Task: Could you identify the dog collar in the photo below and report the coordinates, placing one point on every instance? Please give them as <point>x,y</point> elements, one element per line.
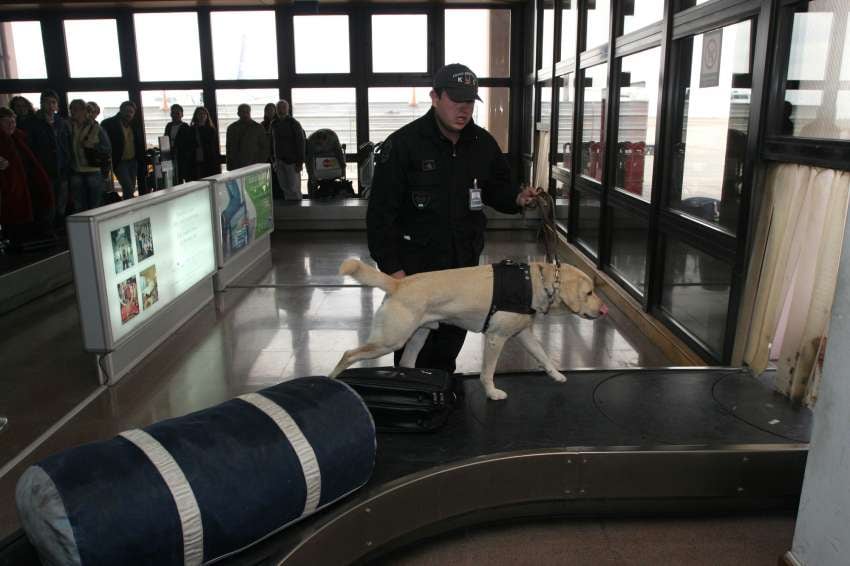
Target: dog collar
<point>550,294</point>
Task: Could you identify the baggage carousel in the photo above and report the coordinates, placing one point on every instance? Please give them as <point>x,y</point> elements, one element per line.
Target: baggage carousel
<point>606,442</point>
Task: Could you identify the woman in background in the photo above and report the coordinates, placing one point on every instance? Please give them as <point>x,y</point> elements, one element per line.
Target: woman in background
<point>269,116</point>
<point>198,146</point>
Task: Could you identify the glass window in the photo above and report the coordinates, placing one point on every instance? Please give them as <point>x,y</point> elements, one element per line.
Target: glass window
<point>493,112</point>
<point>390,108</point>
<point>332,108</point>
<point>481,40</point>
<point>168,47</point>
<point>562,202</point>
<point>589,213</point>
<point>569,27</point>
<point>708,156</point>
<point>108,100</point>
<point>400,43</point>
<point>637,14</point>
<point>695,292</point>
<point>333,57</point>
<point>548,36</point>
<point>244,45</point>
<point>33,97</point>
<point>156,110</point>
<point>92,48</point>
<point>636,122</point>
<point>546,105</point>
<point>228,101</point>
<point>598,15</point>
<point>566,104</point>
<point>22,53</point>
<point>691,3</point>
<point>817,95</point>
<point>628,246</point>
<point>592,157</point>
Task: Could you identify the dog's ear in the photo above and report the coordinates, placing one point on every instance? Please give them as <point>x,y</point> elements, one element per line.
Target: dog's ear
<point>571,287</point>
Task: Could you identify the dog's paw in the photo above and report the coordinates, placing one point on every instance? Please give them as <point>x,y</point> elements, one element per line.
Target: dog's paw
<point>497,394</point>
<point>558,376</point>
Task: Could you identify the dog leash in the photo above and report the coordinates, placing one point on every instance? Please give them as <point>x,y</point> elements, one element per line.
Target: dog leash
<point>548,230</point>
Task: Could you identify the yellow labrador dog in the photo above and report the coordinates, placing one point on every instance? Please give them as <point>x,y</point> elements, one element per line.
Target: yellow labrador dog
<point>416,304</point>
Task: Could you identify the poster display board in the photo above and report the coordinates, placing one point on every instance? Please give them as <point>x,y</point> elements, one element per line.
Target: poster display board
<point>244,209</point>
<point>135,258</point>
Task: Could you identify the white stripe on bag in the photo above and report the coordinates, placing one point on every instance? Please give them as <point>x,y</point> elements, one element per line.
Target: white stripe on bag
<point>306,455</point>
<point>181,491</point>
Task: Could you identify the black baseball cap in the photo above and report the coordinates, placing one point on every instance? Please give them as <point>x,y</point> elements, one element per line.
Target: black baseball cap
<point>459,82</point>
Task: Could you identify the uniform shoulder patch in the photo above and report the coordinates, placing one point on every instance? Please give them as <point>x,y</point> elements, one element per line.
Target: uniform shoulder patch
<point>382,154</point>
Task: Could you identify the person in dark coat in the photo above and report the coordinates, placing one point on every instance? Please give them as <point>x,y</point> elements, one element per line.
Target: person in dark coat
<point>25,188</point>
<point>432,180</point>
<point>200,153</point>
<point>269,116</point>
<point>49,138</point>
<point>128,149</point>
<point>288,145</point>
<point>172,130</point>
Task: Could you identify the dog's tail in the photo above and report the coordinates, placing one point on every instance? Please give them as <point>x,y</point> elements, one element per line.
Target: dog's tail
<point>368,275</point>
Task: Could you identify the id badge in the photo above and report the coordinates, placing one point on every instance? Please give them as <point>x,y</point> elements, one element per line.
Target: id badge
<point>475,202</point>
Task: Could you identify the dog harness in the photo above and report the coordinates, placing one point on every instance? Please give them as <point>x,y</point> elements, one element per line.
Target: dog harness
<point>511,290</point>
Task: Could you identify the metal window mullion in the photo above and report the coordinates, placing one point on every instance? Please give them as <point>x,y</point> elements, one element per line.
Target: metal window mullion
<point>654,273</point>
<point>609,149</point>
<point>207,67</point>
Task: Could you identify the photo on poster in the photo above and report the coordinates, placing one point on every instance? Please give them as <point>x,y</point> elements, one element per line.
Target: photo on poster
<point>235,233</point>
<point>144,239</point>
<point>150,293</point>
<point>122,248</point>
<point>128,296</point>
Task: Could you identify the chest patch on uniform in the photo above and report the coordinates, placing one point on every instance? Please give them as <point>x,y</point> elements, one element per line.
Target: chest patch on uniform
<point>511,289</point>
<point>420,199</point>
<point>429,165</point>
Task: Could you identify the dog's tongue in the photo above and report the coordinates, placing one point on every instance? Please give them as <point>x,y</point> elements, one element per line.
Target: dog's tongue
<point>603,310</point>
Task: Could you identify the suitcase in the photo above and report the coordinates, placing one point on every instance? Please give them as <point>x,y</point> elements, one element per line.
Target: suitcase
<point>404,399</point>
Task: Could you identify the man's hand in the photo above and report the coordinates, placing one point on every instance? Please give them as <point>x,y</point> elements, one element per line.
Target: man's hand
<point>4,163</point>
<point>398,274</point>
<point>527,194</point>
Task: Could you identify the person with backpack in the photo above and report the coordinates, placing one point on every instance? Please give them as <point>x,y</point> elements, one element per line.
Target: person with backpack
<point>288,146</point>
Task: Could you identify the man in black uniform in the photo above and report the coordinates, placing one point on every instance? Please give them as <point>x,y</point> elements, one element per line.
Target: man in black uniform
<point>432,178</point>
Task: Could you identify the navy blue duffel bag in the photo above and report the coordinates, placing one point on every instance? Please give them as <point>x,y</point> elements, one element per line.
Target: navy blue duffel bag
<point>196,488</point>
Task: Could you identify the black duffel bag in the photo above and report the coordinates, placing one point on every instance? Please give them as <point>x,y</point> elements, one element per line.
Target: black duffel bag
<point>404,399</point>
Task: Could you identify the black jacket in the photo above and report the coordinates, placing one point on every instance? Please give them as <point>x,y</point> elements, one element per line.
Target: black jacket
<point>288,140</point>
<point>113,129</point>
<point>188,142</point>
<point>42,141</point>
<point>419,217</point>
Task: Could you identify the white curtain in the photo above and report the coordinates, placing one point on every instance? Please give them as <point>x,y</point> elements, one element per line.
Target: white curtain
<point>797,247</point>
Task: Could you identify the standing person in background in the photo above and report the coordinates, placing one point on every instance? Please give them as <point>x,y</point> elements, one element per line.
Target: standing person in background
<point>200,154</point>
<point>89,150</point>
<point>269,116</point>
<point>25,189</point>
<point>93,110</point>
<point>288,143</point>
<point>128,149</point>
<point>172,129</point>
<point>22,108</point>
<point>49,137</point>
<point>246,141</point>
